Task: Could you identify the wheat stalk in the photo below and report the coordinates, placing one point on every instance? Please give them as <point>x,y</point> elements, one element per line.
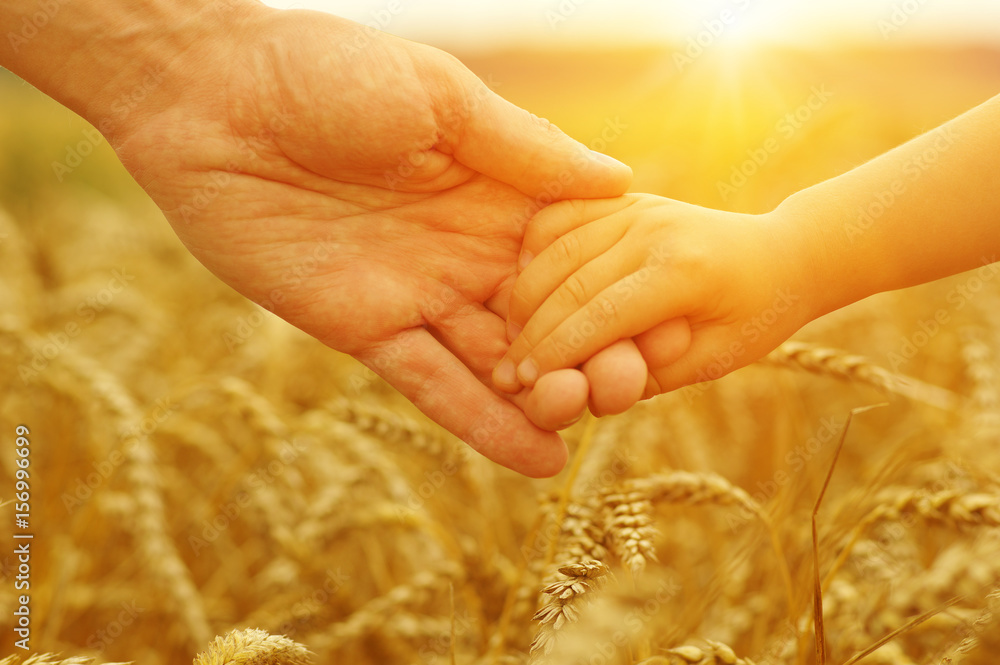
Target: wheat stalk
<point>143,475</point>
<point>253,647</point>
<point>843,365</point>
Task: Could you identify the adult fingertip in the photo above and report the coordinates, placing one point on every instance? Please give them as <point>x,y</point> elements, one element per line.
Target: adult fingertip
<point>617,376</point>
<point>608,177</point>
<point>558,399</point>
<point>547,459</point>
<point>609,161</point>
<point>506,436</point>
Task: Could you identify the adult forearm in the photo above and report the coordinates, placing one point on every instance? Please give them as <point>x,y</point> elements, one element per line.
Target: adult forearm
<point>927,209</point>
<point>104,58</point>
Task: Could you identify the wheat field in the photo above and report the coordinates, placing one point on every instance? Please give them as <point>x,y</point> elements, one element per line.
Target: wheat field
<point>210,485</point>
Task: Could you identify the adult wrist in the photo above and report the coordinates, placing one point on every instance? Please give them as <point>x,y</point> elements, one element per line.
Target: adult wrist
<point>110,60</point>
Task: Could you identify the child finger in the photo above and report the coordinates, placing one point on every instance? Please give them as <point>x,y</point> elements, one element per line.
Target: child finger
<point>664,343</point>
<point>571,253</point>
<point>576,293</point>
<point>617,378</point>
<point>557,400</point>
<point>617,312</point>
<point>558,219</point>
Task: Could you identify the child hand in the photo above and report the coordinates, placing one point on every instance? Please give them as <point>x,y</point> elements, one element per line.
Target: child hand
<point>647,267</point>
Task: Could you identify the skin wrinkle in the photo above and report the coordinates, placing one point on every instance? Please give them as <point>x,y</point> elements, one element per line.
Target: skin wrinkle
<point>322,175</point>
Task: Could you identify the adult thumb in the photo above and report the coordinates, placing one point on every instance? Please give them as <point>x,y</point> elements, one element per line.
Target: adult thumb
<point>509,144</point>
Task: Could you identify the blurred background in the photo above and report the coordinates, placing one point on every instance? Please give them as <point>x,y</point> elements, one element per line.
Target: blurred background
<point>169,507</point>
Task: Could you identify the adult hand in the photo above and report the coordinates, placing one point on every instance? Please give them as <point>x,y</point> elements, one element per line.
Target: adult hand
<point>373,192</point>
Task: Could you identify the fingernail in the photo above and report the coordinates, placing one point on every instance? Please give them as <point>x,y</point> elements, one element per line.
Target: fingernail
<point>523,260</point>
<point>571,421</point>
<point>513,330</point>
<point>527,372</point>
<point>505,374</point>
<point>607,160</point>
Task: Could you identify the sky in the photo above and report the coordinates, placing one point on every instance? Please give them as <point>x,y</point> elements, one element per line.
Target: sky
<point>485,25</point>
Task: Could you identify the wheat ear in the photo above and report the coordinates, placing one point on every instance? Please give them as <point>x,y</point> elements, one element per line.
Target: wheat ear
<point>370,617</point>
<point>253,647</point>
<point>983,621</point>
<point>143,475</point>
<point>841,364</point>
<point>581,534</point>
<point>393,428</point>
<point>629,520</point>
<point>713,653</point>
<point>948,506</point>
<point>565,598</point>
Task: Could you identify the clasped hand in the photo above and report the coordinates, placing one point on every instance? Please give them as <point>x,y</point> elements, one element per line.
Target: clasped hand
<point>405,174</point>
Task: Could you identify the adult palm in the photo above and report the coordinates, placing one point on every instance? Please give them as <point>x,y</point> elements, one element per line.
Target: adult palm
<point>372,192</point>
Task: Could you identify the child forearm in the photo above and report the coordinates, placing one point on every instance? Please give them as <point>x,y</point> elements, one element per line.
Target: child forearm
<point>927,209</point>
